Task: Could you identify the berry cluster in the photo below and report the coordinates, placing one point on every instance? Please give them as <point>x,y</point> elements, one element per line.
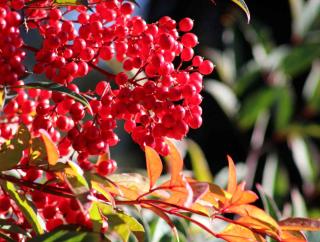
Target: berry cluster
<point>157,94</point>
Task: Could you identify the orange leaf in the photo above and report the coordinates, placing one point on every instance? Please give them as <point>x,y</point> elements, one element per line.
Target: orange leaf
<point>298,224</point>
<point>154,165</point>
<point>232,180</point>
<point>175,164</point>
<point>254,212</point>
<point>181,195</point>
<point>292,236</point>
<point>241,196</point>
<point>52,151</point>
<point>237,233</point>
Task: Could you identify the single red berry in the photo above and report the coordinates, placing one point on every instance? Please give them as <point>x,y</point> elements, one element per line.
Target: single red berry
<point>106,167</point>
<point>4,204</point>
<point>206,67</point>
<point>186,24</point>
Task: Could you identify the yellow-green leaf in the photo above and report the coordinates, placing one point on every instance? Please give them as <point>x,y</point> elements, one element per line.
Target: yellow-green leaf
<point>200,167</point>
<point>244,7</point>
<point>25,206</point>
<point>11,151</point>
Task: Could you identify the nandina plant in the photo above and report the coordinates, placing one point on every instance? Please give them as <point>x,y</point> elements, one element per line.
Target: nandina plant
<point>56,172</point>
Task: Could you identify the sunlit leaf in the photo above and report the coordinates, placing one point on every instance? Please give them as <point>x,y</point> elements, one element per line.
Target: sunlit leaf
<point>237,233</point>
<point>2,97</point>
<point>11,151</point>
<point>244,7</point>
<point>122,223</point>
<point>232,179</point>
<point>199,163</point>
<point>298,224</point>
<point>95,217</point>
<point>131,185</point>
<point>25,206</point>
<point>175,164</point>
<point>254,212</point>
<point>258,225</point>
<point>51,148</point>
<point>154,165</point>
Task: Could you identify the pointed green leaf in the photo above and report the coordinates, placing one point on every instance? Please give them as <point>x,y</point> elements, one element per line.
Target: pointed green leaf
<point>269,204</point>
<point>244,7</point>
<point>200,167</point>
<point>58,88</point>
<point>25,206</point>
<point>284,108</point>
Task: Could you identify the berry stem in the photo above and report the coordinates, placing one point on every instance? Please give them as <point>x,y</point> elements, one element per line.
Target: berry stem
<point>28,47</point>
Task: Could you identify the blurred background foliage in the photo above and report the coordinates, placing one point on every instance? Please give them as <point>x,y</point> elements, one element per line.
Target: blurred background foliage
<point>262,105</point>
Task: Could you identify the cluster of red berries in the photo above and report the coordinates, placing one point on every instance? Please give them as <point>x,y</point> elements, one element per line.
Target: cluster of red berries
<point>12,55</point>
<point>157,94</point>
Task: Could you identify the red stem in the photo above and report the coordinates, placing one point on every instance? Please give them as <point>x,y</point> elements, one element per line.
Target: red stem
<point>28,47</point>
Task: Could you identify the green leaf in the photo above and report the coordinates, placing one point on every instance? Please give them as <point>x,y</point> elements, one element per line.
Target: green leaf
<point>249,74</point>
<point>69,236</point>
<point>58,88</point>
<point>244,7</point>
<point>11,151</point>
<point>255,105</point>
<point>200,167</point>
<point>75,178</point>
<point>308,15</point>
<point>224,95</point>
<point>95,217</point>
<point>311,88</point>
<point>269,204</point>
<point>122,223</point>
<point>302,157</point>
<point>299,207</point>
<point>285,106</point>
<point>299,59</point>
<point>25,206</point>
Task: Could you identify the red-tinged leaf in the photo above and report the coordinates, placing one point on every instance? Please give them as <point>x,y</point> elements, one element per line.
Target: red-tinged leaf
<point>175,164</point>
<point>232,180</point>
<point>199,189</point>
<point>237,233</point>
<point>216,195</point>
<point>258,226</point>
<point>292,236</point>
<point>51,148</point>
<point>254,212</point>
<point>154,165</point>
<point>299,224</point>
<point>166,218</point>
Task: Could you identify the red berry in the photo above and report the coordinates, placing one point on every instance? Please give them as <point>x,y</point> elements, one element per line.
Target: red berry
<point>206,67</point>
<point>106,167</point>
<point>186,25</point>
